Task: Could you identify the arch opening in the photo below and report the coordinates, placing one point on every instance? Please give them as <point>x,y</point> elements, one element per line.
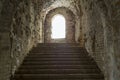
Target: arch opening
<point>58,27</point>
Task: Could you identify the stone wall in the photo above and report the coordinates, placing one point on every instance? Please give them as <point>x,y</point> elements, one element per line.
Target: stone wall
<point>6,13</point>
<point>22,32</point>
<point>20,28</point>
<point>114,14</point>
<point>97,28</point>
<point>93,31</point>
<point>100,21</point>
<point>71,5</point>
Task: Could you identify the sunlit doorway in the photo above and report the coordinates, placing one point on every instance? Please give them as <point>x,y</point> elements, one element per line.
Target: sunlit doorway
<point>58,27</point>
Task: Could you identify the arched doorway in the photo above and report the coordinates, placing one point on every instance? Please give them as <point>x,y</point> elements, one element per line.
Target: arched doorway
<point>65,26</point>
<point>58,27</point>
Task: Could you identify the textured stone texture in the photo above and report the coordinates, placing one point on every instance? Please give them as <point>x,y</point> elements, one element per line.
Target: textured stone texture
<point>70,25</point>
<point>97,29</point>
<point>99,24</point>
<point>25,31</point>
<point>19,31</point>
<point>70,5</point>
<point>5,44</point>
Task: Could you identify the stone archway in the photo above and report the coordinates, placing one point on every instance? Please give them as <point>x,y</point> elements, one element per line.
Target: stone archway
<point>70,26</point>
<point>58,27</point>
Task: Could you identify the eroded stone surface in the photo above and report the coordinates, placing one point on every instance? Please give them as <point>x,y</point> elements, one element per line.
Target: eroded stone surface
<point>97,29</point>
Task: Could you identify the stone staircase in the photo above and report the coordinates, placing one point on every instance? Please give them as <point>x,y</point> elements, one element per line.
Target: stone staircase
<point>58,61</point>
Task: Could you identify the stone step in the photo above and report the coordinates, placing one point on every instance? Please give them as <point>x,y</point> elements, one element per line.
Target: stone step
<point>59,53</point>
<point>57,56</point>
<point>58,76</point>
<point>58,71</point>
<point>58,67</point>
<point>58,44</point>
<point>56,59</point>
<point>56,49</point>
<point>58,62</point>
<point>58,79</point>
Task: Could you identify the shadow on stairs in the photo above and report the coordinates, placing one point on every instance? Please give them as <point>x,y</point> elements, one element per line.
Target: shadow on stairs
<point>58,61</point>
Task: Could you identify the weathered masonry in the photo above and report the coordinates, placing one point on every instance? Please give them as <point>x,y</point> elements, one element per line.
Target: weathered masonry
<point>93,24</point>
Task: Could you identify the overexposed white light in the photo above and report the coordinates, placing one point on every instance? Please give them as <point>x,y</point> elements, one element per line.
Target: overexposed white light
<point>58,27</point>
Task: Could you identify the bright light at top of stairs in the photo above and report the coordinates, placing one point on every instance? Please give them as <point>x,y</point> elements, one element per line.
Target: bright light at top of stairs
<point>58,27</point>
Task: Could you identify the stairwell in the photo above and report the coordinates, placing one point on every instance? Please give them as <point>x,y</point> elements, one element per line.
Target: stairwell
<point>58,61</point>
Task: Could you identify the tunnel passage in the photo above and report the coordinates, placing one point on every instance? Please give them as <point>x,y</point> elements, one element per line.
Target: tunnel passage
<point>69,35</point>
<point>97,21</point>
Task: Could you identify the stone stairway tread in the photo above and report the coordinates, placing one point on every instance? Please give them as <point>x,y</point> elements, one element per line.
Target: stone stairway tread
<point>51,61</point>
<point>58,71</point>
<point>59,67</point>
<point>60,76</point>
<point>57,58</point>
